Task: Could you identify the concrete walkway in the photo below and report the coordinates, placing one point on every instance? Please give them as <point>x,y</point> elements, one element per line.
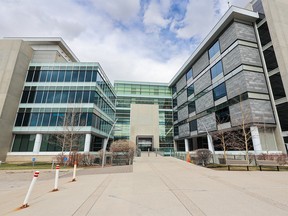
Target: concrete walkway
<point>156,186</point>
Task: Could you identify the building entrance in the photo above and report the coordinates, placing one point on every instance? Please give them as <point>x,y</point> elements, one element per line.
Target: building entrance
<point>145,143</point>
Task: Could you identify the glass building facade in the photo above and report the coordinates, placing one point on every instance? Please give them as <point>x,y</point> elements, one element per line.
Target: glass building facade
<point>51,93</point>
<point>144,93</point>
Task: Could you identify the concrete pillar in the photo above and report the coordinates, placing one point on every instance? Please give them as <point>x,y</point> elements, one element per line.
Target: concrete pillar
<point>210,143</point>
<point>87,143</point>
<point>175,145</point>
<point>186,145</point>
<point>37,143</point>
<point>256,139</point>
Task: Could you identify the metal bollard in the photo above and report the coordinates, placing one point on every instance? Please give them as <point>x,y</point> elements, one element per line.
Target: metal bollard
<point>25,203</point>
<point>148,152</point>
<point>56,178</point>
<point>156,152</point>
<point>74,172</point>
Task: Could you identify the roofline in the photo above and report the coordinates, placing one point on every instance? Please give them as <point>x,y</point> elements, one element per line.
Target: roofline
<point>49,41</point>
<point>232,13</point>
<point>140,83</point>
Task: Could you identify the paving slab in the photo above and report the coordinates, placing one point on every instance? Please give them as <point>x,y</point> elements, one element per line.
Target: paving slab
<point>152,186</point>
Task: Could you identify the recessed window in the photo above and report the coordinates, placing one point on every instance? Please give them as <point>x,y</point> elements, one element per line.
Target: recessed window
<point>219,91</point>
<point>216,70</point>
<point>214,50</point>
<point>189,74</point>
<point>191,107</point>
<point>223,115</point>
<point>193,125</point>
<point>174,89</point>
<point>190,90</point>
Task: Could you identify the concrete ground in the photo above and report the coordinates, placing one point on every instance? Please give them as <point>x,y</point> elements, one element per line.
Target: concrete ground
<point>155,186</point>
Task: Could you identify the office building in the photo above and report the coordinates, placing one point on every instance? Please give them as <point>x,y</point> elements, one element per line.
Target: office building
<point>144,114</point>
<point>44,85</point>
<point>233,80</point>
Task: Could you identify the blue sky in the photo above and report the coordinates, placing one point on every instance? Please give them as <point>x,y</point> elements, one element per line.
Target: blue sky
<point>139,40</point>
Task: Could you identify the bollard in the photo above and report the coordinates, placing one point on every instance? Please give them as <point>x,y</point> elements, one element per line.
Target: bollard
<point>156,152</point>
<point>74,172</point>
<point>25,203</point>
<point>148,152</point>
<point>56,178</point>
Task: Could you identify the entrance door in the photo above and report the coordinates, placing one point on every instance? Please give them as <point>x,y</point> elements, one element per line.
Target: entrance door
<point>145,143</point>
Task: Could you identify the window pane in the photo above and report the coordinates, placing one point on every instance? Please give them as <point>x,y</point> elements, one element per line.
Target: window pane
<point>46,118</point>
<point>71,97</point>
<point>26,119</point>
<point>45,93</point>
<point>219,91</point>
<point>85,97</point>
<point>29,76</point>
<point>36,76</point>
<point>222,115</point>
<point>33,119</point>
<point>216,70</point>
<point>189,74</point>
<point>94,76</point>
<point>88,76</point>
<point>81,76</point>
<point>19,119</point>
<point>61,76</point>
<point>78,98</point>
<point>64,97</point>
<point>191,107</point>
<point>75,76</point>
<point>38,97</point>
<point>40,118</point>
<point>53,120</point>
<point>50,96</point>
<point>43,75</point>
<point>214,50</point>
<point>68,76</point>
<point>57,97</point>
<point>31,97</point>
<point>24,96</point>
<point>49,74</point>
<point>54,76</point>
<point>193,125</point>
<point>190,90</point>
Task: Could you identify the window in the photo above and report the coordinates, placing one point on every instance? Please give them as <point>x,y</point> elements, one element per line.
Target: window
<point>219,91</point>
<point>191,107</point>
<point>190,90</point>
<point>214,50</point>
<point>174,89</point>
<point>175,116</point>
<point>189,74</point>
<point>193,125</point>
<point>23,143</point>
<point>223,115</point>
<point>174,102</point>
<point>216,69</point>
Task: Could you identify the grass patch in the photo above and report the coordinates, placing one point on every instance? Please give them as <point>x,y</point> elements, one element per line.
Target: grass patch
<point>25,166</point>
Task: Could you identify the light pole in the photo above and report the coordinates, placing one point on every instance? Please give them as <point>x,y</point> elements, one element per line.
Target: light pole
<point>105,144</point>
<point>210,142</point>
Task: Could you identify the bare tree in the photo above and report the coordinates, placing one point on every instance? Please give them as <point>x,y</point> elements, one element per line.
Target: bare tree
<point>69,138</point>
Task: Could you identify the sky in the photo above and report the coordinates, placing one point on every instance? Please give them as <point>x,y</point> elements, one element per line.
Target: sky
<point>133,40</point>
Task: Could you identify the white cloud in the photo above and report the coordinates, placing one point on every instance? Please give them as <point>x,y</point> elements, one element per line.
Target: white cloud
<point>121,10</point>
<point>114,32</point>
<point>154,17</point>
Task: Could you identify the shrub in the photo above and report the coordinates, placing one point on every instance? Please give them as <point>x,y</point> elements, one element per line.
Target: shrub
<point>124,149</point>
<point>203,156</point>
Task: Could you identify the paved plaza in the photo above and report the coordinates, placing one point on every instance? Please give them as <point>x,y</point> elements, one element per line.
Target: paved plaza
<point>153,186</point>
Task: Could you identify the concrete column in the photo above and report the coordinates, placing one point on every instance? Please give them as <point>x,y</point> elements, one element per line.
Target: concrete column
<point>186,145</point>
<point>175,145</point>
<point>210,143</point>
<point>256,139</point>
<point>87,143</point>
<point>37,144</point>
